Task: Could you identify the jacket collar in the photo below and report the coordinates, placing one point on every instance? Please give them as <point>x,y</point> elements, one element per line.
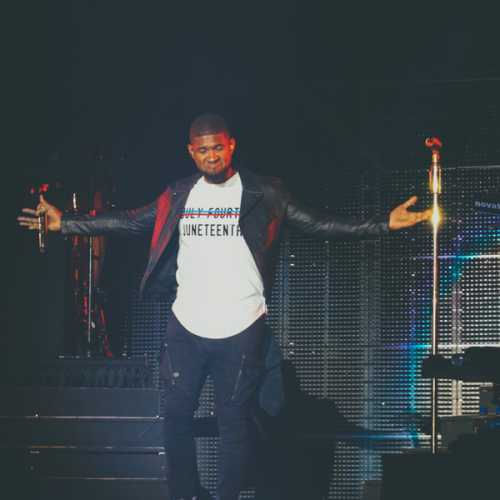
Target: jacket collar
<point>186,183</point>
<point>248,178</point>
<point>251,192</point>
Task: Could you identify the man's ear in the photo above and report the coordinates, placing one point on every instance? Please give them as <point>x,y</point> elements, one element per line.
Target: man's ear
<point>190,149</point>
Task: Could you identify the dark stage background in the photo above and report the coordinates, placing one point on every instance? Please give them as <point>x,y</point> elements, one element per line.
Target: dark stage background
<point>334,98</point>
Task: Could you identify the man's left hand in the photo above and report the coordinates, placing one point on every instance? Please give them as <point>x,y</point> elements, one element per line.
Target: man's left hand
<point>401,218</point>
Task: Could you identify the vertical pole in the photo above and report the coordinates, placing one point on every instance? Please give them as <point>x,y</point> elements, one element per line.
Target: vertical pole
<point>89,295</point>
<point>435,187</point>
<point>91,272</point>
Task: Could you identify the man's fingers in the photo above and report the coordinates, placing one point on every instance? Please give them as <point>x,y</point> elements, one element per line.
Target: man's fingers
<point>425,215</point>
<point>48,206</point>
<point>29,211</point>
<point>31,222</point>
<point>28,221</point>
<point>410,202</point>
<point>420,216</point>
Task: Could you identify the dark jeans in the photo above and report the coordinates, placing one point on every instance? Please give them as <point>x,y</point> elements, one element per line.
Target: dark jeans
<point>236,368</point>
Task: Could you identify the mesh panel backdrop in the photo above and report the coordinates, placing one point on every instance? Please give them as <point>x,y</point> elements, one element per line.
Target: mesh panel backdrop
<point>337,101</point>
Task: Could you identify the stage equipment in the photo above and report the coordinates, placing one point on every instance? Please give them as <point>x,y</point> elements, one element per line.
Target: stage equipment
<point>486,203</point>
<point>68,442</point>
<point>475,364</point>
<point>116,373</point>
<point>435,187</point>
<point>42,227</point>
<point>82,182</point>
<point>87,257</point>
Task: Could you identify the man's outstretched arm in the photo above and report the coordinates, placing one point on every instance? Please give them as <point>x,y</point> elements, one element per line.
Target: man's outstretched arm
<point>124,222</point>
<point>308,222</point>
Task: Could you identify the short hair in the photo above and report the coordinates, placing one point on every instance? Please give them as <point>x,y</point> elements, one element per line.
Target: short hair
<point>208,124</point>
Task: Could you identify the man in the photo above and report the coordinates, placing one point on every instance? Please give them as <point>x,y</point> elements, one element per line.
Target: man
<point>215,245</point>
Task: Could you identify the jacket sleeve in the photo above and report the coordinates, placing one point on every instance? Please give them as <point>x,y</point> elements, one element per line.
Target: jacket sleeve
<point>305,221</point>
<point>141,220</point>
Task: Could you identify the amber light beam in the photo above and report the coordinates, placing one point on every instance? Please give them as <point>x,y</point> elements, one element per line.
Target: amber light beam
<point>435,187</point>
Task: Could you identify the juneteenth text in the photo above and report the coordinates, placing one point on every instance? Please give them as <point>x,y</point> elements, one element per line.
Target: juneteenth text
<point>232,228</point>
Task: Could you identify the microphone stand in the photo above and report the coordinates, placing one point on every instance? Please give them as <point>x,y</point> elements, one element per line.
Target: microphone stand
<point>90,282</point>
<point>435,187</point>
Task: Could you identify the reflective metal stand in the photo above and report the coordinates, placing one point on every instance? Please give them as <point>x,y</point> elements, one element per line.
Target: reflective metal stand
<point>435,187</point>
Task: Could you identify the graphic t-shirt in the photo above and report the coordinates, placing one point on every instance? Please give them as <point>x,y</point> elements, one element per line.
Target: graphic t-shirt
<point>220,289</point>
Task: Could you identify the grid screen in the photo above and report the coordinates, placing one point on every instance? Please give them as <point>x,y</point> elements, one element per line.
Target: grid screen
<point>354,318</point>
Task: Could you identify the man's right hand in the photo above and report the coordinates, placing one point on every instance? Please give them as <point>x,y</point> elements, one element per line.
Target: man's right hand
<point>53,217</point>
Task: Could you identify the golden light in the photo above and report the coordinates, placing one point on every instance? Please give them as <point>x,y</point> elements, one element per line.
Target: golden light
<point>435,216</point>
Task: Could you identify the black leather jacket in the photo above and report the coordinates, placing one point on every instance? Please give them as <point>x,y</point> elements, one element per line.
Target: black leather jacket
<point>266,209</point>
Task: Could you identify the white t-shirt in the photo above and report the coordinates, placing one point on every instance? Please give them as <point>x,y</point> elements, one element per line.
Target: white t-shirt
<point>220,289</point>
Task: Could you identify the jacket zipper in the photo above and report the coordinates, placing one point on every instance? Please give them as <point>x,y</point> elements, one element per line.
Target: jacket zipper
<point>238,377</point>
<point>172,381</point>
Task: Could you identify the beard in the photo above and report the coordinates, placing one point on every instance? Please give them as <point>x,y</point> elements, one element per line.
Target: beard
<point>217,178</point>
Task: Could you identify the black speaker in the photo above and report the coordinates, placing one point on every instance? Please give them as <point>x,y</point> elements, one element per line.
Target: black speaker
<point>84,443</point>
<point>443,476</point>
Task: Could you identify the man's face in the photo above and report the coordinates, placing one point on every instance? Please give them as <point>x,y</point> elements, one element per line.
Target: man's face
<point>212,155</point>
